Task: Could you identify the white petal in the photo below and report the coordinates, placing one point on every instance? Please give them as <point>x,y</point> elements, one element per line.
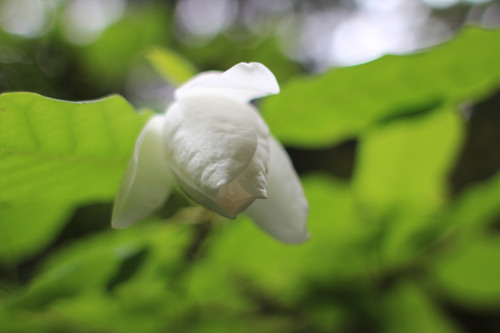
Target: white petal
<point>242,82</point>
<point>147,182</point>
<point>284,213</point>
<point>254,178</point>
<point>211,141</point>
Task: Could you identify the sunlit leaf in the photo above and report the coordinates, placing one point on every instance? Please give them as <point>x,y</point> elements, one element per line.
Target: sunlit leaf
<point>323,110</point>
<point>56,150</point>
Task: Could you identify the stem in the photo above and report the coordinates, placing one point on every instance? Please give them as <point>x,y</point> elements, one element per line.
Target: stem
<point>197,247</point>
<point>201,231</point>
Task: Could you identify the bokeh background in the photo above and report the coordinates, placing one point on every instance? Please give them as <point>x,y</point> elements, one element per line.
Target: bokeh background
<point>399,156</point>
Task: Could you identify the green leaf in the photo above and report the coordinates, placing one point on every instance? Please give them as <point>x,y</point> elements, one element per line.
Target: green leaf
<point>52,150</point>
<point>400,177</point>
<point>95,311</point>
<point>470,274</point>
<point>88,269</point>
<point>408,309</point>
<point>109,58</point>
<point>26,228</point>
<point>102,263</point>
<point>224,52</point>
<point>25,321</point>
<point>88,264</point>
<point>467,271</point>
<point>320,111</point>
<point>403,164</point>
<point>474,211</point>
<point>246,257</point>
<point>171,66</point>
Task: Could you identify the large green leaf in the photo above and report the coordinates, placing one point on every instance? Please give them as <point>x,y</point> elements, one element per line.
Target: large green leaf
<point>56,150</point>
<point>55,155</point>
<point>320,111</point>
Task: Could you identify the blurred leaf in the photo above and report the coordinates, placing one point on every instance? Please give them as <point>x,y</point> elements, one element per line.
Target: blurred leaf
<point>337,230</point>
<point>474,212</point>
<point>242,260</point>
<point>28,227</point>
<point>94,311</point>
<point>96,264</point>
<point>12,321</point>
<point>109,59</point>
<point>74,282</point>
<point>223,53</point>
<point>400,178</point>
<point>466,270</point>
<point>88,271</point>
<point>56,150</point>
<point>171,66</point>
<point>408,309</point>
<point>320,111</point>
<point>403,164</point>
<point>86,265</point>
<point>470,274</point>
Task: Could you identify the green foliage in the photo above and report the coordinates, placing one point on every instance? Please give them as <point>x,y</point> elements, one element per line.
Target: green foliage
<point>55,150</point>
<point>469,273</point>
<point>108,59</point>
<point>222,53</point>
<point>400,179</point>
<point>56,155</point>
<point>403,164</point>
<point>36,224</point>
<point>409,309</point>
<point>173,68</point>
<point>342,103</point>
<point>391,248</point>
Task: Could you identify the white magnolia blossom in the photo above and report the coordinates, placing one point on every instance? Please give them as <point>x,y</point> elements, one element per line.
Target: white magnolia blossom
<point>215,146</point>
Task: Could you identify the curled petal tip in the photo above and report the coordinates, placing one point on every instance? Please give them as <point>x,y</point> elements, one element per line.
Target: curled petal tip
<point>242,82</point>
<point>258,70</point>
<point>292,236</point>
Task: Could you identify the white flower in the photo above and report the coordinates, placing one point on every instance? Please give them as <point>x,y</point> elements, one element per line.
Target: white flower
<point>214,144</point>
